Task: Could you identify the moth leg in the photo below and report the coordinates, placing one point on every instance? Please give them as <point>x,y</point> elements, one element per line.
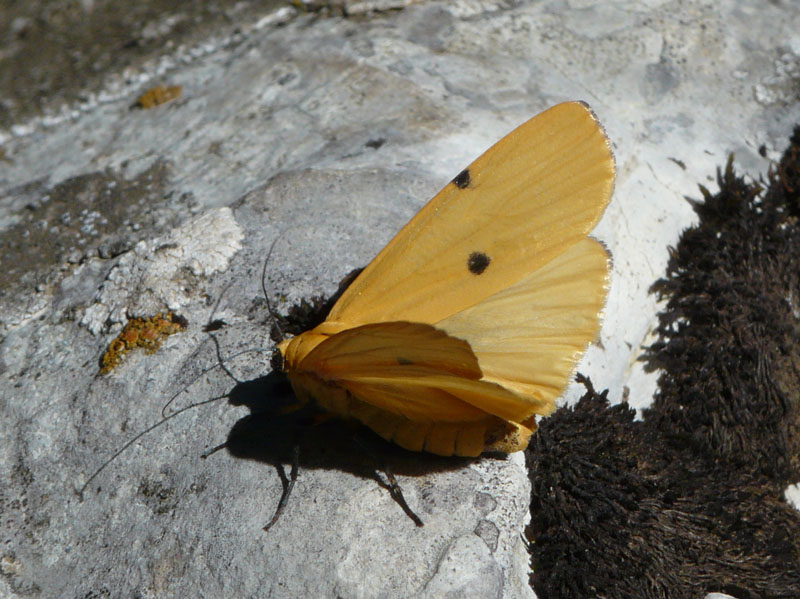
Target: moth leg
<point>288,484</point>
<point>392,485</point>
<point>213,450</point>
<point>397,494</point>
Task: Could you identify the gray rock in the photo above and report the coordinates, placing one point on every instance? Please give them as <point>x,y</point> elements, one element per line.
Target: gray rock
<point>327,134</point>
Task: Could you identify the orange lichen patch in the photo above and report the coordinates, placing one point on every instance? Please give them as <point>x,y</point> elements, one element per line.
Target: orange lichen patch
<point>158,95</point>
<point>147,333</point>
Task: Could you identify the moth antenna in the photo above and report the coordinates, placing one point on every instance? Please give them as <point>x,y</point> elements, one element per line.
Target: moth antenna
<point>138,436</point>
<point>264,289</point>
<point>218,350</point>
<point>220,360</point>
<point>189,384</point>
<point>209,369</point>
<point>166,417</point>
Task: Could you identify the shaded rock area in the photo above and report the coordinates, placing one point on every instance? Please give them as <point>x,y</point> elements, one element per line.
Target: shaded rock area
<point>690,500</point>
<point>57,50</point>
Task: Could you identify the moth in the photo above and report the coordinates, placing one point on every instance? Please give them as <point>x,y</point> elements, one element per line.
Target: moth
<point>469,323</point>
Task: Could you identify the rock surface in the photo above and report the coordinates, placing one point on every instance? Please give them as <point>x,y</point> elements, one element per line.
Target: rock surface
<point>328,133</point>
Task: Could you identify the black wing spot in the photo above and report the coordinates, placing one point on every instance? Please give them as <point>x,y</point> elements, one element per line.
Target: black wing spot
<point>478,262</point>
<point>404,361</point>
<point>463,179</point>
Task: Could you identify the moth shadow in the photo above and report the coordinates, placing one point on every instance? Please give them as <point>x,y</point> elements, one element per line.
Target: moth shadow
<point>276,426</point>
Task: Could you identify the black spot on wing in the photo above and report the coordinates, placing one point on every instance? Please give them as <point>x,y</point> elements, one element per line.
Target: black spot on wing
<point>478,262</point>
<point>404,361</point>
<point>463,179</point>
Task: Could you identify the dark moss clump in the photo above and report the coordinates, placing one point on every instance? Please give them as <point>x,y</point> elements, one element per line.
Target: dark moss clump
<point>306,315</point>
<point>690,500</point>
<point>729,335</point>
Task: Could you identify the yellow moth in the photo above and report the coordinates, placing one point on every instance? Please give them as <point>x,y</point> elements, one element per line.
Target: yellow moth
<point>470,322</point>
